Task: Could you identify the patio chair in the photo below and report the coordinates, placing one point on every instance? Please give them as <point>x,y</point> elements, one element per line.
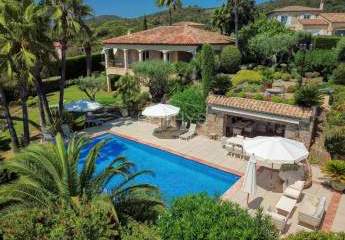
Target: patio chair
<point>311,212</point>
<point>294,190</point>
<point>191,133</point>
<point>278,220</point>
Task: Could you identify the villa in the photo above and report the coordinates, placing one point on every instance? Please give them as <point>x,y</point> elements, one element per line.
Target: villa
<point>178,42</point>
<point>313,20</point>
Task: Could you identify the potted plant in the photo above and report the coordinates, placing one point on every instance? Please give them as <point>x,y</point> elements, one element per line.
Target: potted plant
<point>267,78</point>
<point>335,170</point>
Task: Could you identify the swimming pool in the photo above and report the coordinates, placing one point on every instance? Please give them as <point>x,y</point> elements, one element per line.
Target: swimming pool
<point>173,175</point>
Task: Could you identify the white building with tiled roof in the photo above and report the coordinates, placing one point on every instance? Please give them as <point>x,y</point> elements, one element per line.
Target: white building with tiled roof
<point>313,20</point>
<point>178,42</point>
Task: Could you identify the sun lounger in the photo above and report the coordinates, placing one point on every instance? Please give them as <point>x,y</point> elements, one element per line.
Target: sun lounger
<point>294,190</point>
<point>286,205</point>
<point>311,212</point>
<point>191,133</point>
<point>278,220</point>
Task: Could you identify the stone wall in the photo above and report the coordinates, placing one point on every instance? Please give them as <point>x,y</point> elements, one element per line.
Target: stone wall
<point>215,124</point>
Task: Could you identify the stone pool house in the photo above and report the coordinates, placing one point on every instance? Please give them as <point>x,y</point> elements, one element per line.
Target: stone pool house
<point>178,42</point>
<point>267,118</point>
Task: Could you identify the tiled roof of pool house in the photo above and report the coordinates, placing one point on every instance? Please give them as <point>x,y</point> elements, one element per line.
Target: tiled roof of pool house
<point>261,106</point>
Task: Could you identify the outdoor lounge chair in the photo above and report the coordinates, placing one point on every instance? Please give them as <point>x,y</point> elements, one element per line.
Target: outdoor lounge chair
<point>278,220</point>
<point>295,190</point>
<point>311,212</point>
<point>191,133</point>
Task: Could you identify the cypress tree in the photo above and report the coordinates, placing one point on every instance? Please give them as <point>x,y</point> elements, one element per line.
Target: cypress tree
<point>207,68</point>
<point>145,23</point>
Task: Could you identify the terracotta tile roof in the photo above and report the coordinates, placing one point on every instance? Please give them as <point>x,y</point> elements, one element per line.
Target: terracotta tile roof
<point>186,23</point>
<point>311,22</point>
<point>261,106</point>
<point>171,35</point>
<point>297,8</point>
<point>334,17</point>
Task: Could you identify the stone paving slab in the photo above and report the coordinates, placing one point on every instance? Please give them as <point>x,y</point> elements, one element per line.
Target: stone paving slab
<point>210,152</point>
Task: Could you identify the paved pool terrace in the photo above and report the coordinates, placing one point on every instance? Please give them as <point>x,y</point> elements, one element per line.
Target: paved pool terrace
<point>206,151</point>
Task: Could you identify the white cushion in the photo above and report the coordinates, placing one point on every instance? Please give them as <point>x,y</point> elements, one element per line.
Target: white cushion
<point>291,192</point>
<point>298,185</point>
<point>320,208</point>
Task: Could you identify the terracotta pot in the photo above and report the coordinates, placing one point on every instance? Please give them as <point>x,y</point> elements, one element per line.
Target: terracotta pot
<point>337,186</point>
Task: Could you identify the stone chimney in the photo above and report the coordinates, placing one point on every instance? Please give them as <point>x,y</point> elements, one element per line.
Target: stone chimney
<point>322,3</point>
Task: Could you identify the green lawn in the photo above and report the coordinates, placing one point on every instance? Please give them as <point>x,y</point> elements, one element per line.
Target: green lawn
<point>71,93</point>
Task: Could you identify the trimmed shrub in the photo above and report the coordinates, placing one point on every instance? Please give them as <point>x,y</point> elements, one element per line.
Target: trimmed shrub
<point>207,68</point>
<point>204,217</point>
<point>340,50</point>
<point>326,42</point>
<point>221,84</point>
<point>308,96</point>
<point>191,103</point>
<point>320,60</point>
<point>76,66</point>
<point>316,236</point>
<point>230,59</point>
<point>339,74</point>
<point>249,76</point>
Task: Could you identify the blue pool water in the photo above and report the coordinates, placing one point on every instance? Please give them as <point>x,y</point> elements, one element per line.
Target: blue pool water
<point>173,175</point>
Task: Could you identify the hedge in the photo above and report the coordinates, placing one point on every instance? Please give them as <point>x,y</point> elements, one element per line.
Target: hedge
<point>326,42</point>
<point>76,66</point>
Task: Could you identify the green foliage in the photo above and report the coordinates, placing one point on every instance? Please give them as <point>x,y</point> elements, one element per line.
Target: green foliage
<point>90,85</point>
<point>315,235</point>
<point>249,76</point>
<point>339,74</point>
<point>49,177</point>
<point>335,169</point>
<point>191,103</point>
<point>325,42</point>
<point>155,75</point>
<point>128,89</point>
<point>202,217</point>
<point>207,68</point>
<point>221,84</point>
<point>340,50</point>
<point>89,222</point>
<point>261,25</point>
<point>76,66</point>
<point>308,96</point>
<point>268,76</point>
<point>319,60</point>
<point>184,72</point>
<point>223,17</point>
<point>139,231</point>
<point>271,47</point>
<point>230,59</point>
<point>335,125</point>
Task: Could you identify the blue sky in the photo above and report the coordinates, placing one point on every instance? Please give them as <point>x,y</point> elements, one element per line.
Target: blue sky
<point>134,8</point>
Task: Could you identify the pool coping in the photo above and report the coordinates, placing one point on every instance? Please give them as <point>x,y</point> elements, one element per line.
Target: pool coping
<point>227,194</point>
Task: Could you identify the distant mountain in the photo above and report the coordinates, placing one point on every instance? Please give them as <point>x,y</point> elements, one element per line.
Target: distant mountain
<point>102,18</point>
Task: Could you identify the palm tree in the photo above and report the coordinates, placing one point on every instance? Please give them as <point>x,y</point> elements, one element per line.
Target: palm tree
<point>86,36</point>
<point>65,27</point>
<point>49,176</point>
<point>18,29</point>
<point>172,5</point>
<point>7,116</point>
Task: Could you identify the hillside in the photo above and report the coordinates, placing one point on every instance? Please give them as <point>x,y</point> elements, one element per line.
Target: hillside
<point>107,26</point>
